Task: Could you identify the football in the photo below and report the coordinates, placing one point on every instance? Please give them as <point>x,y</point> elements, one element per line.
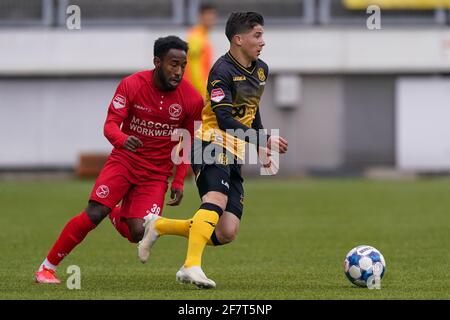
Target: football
<point>363,265</point>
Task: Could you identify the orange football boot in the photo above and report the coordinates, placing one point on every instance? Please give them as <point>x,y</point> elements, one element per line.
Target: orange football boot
<point>46,276</point>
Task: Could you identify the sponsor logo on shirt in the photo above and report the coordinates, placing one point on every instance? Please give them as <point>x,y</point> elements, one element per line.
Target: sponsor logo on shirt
<point>225,184</point>
<point>175,111</point>
<point>217,95</point>
<point>239,78</point>
<point>142,108</point>
<point>152,128</point>
<point>119,101</point>
<point>102,191</point>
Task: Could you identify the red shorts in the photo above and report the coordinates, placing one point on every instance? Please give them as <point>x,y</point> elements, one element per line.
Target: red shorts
<point>141,195</point>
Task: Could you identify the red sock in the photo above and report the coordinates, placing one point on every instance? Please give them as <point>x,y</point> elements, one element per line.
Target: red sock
<point>73,233</point>
<point>120,224</point>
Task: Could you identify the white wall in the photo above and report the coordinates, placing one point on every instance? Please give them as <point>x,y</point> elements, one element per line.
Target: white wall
<point>47,122</point>
<point>318,50</point>
<point>422,123</point>
<point>61,117</point>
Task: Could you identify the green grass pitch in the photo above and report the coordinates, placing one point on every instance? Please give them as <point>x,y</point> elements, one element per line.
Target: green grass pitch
<point>293,239</point>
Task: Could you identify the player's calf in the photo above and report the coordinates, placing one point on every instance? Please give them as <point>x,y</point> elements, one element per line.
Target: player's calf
<point>136,227</point>
<point>227,228</point>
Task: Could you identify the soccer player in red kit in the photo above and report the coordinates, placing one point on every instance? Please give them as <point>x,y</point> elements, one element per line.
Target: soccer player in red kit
<point>146,110</point>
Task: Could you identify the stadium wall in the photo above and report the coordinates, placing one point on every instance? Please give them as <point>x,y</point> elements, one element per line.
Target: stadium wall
<point>55,86</point>
<point>304,50</point>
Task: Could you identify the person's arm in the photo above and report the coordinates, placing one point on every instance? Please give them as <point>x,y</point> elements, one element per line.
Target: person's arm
<point>226,121</point>
<point>117,113</point>
<point>257,125</point>
<point>180,172</point>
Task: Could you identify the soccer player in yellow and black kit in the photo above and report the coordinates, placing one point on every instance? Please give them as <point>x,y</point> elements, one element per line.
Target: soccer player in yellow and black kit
<point>235,85</point>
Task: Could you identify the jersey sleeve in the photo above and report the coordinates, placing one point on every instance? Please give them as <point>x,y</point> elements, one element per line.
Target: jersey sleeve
<point>257,125</point>
<point>220,88</point>
<point>117,112</point>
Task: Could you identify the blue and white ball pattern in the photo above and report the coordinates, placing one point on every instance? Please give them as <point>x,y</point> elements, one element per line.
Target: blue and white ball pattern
<point>362,262</point>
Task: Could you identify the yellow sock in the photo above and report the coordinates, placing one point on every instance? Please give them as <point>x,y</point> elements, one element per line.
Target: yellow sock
<point>203,224</point>
<point>174,227</point>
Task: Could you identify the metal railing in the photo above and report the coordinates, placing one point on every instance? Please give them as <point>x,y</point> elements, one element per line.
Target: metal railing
<point>52,13</point>
<point>333,12</point>
<point>125,12</point>
<point>274,11</point>
<point>26,13</point>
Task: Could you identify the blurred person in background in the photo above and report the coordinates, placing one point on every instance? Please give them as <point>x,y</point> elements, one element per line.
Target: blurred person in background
<point>200,56</point>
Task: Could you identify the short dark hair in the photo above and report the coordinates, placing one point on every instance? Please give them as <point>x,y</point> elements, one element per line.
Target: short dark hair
<point>240,22</point>
<point>164,44</point>
<point>205,6</point>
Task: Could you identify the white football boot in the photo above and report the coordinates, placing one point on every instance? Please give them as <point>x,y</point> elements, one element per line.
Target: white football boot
<point>149,238</point>
<point>195,275</point>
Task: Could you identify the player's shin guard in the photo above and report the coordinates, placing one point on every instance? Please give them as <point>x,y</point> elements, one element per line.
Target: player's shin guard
<point>174,227</point>
<point>120,224</point>
<point>177,227</point>
<point>203,224</point>
<point>73,233</point>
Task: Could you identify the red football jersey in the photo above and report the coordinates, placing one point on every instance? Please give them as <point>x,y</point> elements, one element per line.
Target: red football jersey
<point>140,109</point>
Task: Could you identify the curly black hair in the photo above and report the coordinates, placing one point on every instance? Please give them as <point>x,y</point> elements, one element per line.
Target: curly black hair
<point>164,44</point>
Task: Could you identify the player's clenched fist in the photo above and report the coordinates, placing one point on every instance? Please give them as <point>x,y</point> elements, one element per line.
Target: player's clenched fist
<point>132,143</point>
<point>175,195</point>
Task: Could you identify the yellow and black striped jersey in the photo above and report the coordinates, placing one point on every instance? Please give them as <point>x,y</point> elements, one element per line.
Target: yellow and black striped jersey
<point>233,85</point>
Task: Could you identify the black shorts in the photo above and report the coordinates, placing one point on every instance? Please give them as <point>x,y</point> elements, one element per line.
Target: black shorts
<point>219,172</point>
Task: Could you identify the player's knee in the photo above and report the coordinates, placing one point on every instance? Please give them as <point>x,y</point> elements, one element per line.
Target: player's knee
<point>226,235</point>
<point>97,212</point>
<point>217,198</point>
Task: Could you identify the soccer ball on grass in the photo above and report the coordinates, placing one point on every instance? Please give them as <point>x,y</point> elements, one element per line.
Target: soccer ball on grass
<point>364,266</point>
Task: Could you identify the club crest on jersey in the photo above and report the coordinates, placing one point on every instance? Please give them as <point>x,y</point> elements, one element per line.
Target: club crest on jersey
<point>261,75</point>
<point>102,191</point>
<point>217,95</point>
<point>119,101</point>
<point>175,111</point>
